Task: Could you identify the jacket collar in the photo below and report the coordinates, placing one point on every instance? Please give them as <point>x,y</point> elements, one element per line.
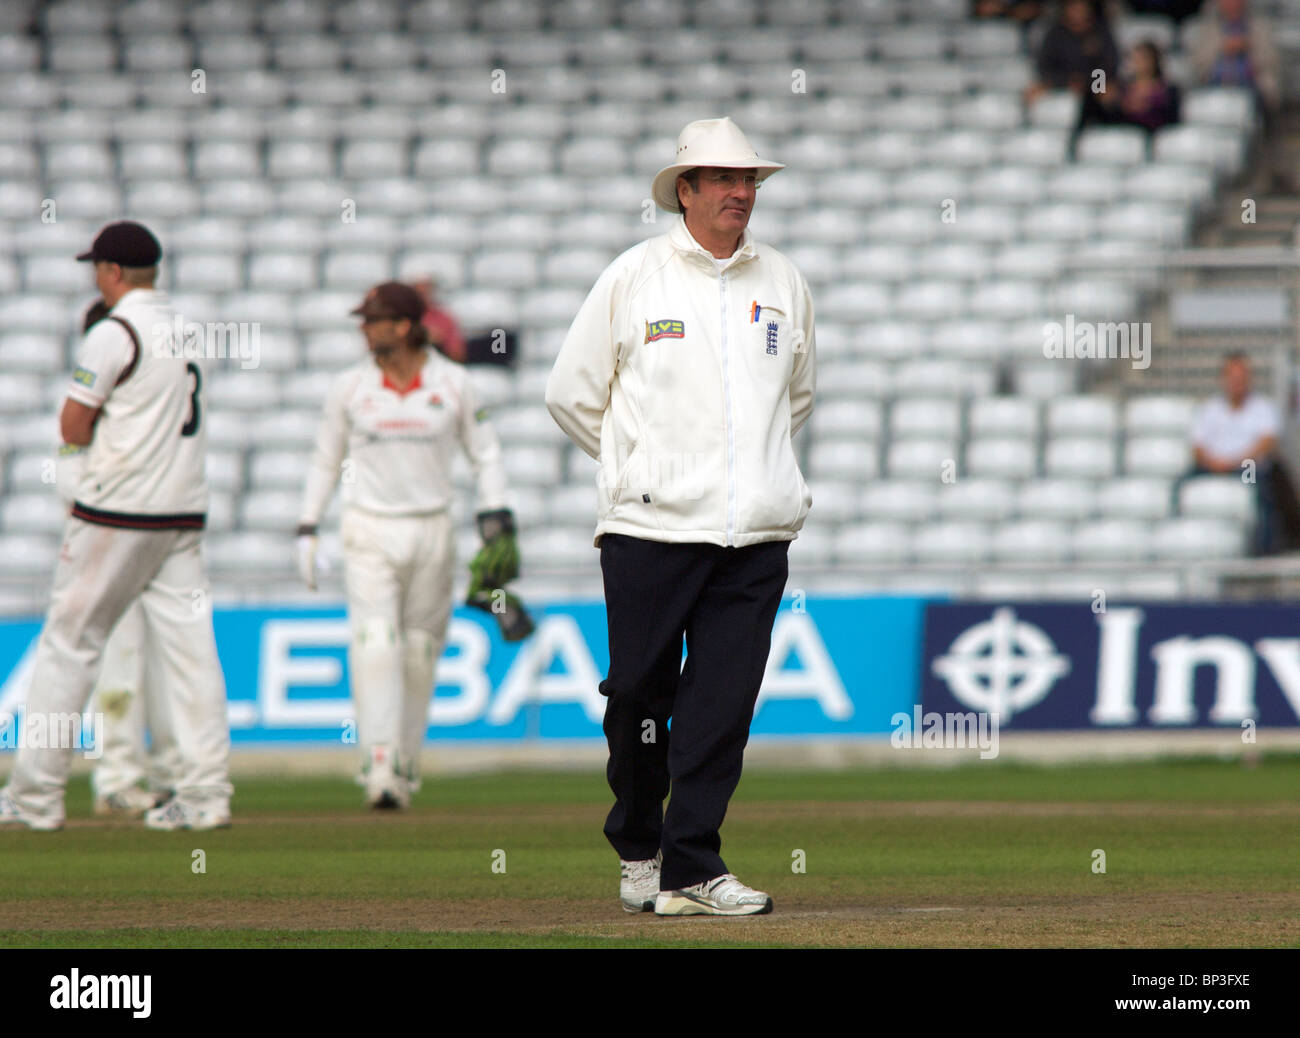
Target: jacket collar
<point>684,242</point>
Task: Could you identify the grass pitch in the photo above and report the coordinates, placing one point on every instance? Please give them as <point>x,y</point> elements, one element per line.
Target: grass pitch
<point>1197,854</point>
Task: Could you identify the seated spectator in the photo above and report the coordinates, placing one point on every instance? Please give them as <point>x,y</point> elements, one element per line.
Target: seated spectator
<point>1230,46</point>
<point>1240,427</point>
<point>1143,97</point>
<point>444,331</point>
<point>1075,47</point>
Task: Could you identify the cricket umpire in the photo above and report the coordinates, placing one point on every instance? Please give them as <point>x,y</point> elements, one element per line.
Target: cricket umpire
<point>686,372</point>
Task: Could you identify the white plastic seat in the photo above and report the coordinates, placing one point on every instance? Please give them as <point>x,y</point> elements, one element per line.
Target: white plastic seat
<point>1193,540</point>
<point>1135,497</point>
<point>877,262</point>
<point>1032,540</point>
<point>1217,497</point>
<point>1043,147</point>
<point>1081,457</point>
<point>294,430</point>
<point>1157,455</point>
<point>873,543</point>
<point>225,158</point>
<point>36,513</point>
<point>534,465</point>
<point>985,500</point>
<point>1112,541</point>
<point>282,272</point>
<point>890,340</point>
<point>955,543</point>
<point>1061,499</point>
<point>1159,415</point>
<point>921,459</point>
<point>844,459</point>
<point>1231,108</point>
<point>1002,458</point>
<point>236,390</point>
<point>356,270</point>
<point>270,510</point>
<point>908,500</point>
<point>1082,416</point>
<point>225,470</point>
<point>942,378</point>
<point>299,158</point>
<point>28,554</point>
<point>925,418</point>
<point>276,470</point>
<point>847,419</point>
<point>208,272</point>
<point>1113,146</point>
<point>1055,109</point>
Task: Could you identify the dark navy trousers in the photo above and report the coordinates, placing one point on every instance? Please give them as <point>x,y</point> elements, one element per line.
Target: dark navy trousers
<point>724,602</point>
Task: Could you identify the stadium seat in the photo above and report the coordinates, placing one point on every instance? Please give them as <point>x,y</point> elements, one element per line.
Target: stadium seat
<point>1032,541</point>
<point>984,500</point>
<point>1218,497</point>
<point>1157,456</point>
<point>1135,497</point>
<point>955,542</point>
<point>1111,540</point>
<point>1002,458</point>
<point>844,459</point>
<point>881,543</point>
<point>1195,540</point>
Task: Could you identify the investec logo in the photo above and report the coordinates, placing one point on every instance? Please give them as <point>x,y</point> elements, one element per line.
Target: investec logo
<point>1005,665</point>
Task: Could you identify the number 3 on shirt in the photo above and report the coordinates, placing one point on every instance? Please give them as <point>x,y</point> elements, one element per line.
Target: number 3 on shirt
<point>191,426</point>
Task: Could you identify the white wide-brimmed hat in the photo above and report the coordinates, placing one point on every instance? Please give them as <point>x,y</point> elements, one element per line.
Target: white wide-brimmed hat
<point>708,142</point>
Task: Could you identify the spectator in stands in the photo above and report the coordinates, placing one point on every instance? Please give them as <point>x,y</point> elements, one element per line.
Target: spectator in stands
<point>1076,46</point>
<point>1178,10</point>
<point>1022,11</point>
<point>1236,434</point>
<point>444,331</point>
<point>1143,97</point>
<point>1230,46</point>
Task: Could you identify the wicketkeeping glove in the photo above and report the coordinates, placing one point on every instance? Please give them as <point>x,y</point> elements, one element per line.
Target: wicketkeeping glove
<point>496,564</point>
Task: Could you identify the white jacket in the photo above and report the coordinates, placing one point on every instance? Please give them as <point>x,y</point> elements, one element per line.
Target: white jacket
<point>686,384</point>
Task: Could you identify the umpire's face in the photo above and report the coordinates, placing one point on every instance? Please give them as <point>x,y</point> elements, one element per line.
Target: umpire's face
<point>723,202</point>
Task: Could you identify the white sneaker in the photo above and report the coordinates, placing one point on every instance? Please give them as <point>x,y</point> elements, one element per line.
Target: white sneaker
<point>11,815</point>
<point>639,885</point>
<point>130,802</point>
<point>722,895</point>
<point>179,814</point>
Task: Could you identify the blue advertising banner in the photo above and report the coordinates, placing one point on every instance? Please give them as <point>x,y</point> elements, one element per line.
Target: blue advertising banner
<point>1044,666</point>
<point>838,667</point>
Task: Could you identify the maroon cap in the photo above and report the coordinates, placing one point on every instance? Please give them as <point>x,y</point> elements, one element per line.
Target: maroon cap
<point>392,300</point>
<point>127,243</point>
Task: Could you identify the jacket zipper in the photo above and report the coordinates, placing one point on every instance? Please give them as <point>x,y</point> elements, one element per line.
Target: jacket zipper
<point>731,428</point>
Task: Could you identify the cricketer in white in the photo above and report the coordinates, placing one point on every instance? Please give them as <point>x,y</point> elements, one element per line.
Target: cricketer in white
<point>133,534</point>
<point>392,427</point>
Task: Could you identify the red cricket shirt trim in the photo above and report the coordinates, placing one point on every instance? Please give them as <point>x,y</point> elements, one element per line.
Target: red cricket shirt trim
<point>418,383</point>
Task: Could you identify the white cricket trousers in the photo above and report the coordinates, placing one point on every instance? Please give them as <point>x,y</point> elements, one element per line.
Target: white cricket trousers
<point>101,571</point>
<point>131,700</point>
<point>398,573</point>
